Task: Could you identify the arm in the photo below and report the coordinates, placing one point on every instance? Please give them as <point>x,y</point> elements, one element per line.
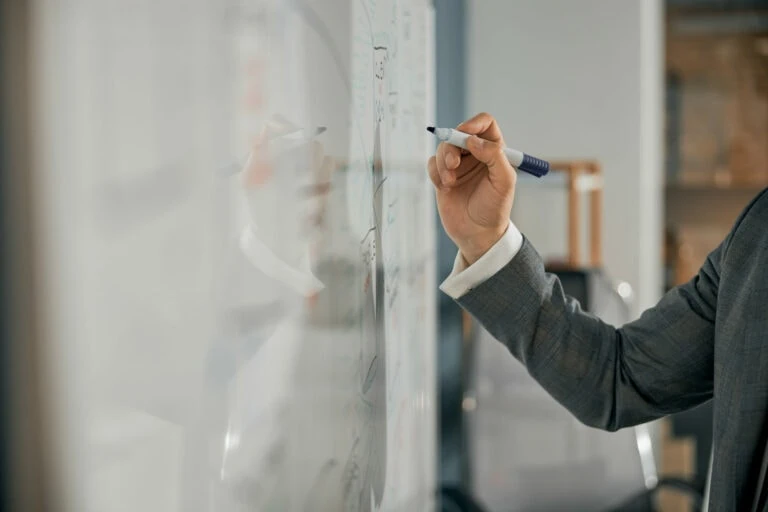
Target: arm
<point>607,377</point>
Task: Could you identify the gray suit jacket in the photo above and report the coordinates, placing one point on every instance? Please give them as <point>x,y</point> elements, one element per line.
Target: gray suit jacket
<point>707,338</point>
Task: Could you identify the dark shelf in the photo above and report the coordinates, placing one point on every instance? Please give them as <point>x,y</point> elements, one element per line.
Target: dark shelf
<point>713,188</point>
<point>705,204</point>
<point>717,5</point>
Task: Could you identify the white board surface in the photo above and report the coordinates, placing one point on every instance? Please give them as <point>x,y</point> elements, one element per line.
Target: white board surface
<point>240,310</point>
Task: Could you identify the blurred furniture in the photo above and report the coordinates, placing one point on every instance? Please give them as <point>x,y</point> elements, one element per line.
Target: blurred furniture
<point>585,279</point>
<point>717,93</point>
<point>678,489</point>
<point>583,176</point>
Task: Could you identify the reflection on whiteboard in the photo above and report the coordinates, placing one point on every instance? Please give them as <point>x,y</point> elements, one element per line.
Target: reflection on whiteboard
<point>241,254</point>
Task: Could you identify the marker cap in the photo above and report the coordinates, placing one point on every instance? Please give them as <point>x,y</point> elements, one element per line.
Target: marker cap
<point>533,165</point>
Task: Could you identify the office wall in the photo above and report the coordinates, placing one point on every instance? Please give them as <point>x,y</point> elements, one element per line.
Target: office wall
<point>570,79</point>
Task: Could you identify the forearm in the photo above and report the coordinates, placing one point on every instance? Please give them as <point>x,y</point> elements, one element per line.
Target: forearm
<point>607,377</point>
<point>527,311</point>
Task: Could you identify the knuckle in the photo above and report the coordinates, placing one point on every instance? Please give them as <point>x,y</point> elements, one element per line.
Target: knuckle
<point>493,147</point>
<point>486,119</point>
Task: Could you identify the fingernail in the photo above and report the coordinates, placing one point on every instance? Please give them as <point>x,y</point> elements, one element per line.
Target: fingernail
<point>449,160</point>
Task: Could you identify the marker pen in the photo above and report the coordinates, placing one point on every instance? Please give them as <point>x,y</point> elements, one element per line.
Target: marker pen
<point>517,159</point>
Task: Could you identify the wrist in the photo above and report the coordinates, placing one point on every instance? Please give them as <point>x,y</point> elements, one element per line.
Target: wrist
<point>472,249</point>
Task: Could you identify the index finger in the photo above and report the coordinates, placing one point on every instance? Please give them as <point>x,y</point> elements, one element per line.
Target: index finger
<point>483,125</point>
<point>448,156</point>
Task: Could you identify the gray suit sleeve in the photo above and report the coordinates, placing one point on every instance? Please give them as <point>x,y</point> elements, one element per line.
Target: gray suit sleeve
<point>607,377</point>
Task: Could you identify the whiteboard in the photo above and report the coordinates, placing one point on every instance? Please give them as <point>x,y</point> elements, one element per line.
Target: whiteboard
<point>237,235</point>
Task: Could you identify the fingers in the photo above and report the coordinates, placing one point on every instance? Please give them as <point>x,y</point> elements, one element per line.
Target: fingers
<point>491,153</point>
<point>434,175</point>
<point>482,125</point>
<point>447,179</point>
<point>447,161</point>
<point>448,157</point>
<point>487,147</point>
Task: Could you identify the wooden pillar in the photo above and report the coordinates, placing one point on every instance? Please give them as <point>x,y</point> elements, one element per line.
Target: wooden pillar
<point>574,208</point>
<point>596,220</point>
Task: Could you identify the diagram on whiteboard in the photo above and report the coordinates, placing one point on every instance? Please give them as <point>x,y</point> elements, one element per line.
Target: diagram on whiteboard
<point>250,293</point>
<point>373,324</point>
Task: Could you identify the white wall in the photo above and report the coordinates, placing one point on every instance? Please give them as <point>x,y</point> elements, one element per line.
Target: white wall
<point>570,79</point>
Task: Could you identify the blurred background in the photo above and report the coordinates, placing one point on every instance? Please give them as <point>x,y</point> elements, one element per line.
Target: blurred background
<point>670,98</point>
<point>653,112</point>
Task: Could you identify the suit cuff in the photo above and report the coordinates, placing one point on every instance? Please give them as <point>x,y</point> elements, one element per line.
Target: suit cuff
<point>464,278</point>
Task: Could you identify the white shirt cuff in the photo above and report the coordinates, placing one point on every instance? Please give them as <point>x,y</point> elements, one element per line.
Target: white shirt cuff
<point>464,278</point>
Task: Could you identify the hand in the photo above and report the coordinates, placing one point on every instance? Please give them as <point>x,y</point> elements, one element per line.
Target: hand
<point>299,205</point>
<point>475,189</point>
